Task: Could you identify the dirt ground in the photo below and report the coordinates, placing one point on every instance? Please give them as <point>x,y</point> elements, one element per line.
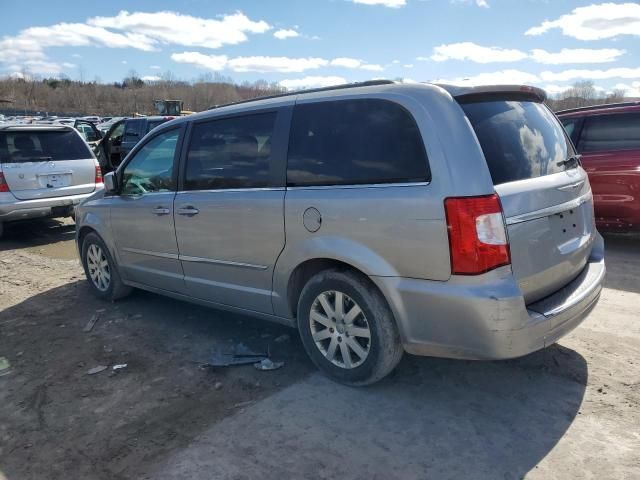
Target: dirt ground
<point>570,411</point>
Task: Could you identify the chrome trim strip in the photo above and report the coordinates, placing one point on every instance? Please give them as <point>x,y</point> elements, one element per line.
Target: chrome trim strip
<point>215,190</point>
<point>171,256</point>
<point>187,258</point>
<point>571,186</point>
<point>546,212</point>
<point>364,185</point>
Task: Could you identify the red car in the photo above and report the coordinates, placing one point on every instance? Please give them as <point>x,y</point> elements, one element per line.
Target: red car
<point>608,138</point>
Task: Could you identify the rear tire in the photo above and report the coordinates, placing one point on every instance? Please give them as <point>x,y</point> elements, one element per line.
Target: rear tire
<point>347,328</point>
<point>101,270</point>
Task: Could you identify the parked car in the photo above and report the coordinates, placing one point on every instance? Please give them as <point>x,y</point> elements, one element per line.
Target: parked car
<point>45,170</point>
<point>436,220</point>
<point>608,138</point>
<point>121,137</point>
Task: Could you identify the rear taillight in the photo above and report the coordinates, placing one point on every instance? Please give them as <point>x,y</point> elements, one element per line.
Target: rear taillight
<point>477,236</point>
<point>98,174</point>
<point>4,186</point>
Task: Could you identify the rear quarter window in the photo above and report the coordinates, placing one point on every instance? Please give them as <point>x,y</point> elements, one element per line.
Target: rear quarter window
<point>519,139</point>
<point>618,131</point>
<point>351,142</point>
<point>22,147</point>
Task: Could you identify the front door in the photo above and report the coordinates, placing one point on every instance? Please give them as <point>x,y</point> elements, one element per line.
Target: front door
<point>229,212</point>
<point>142,215</point>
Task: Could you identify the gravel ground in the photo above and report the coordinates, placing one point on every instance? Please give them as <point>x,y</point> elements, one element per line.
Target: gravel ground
<point>570,411</point>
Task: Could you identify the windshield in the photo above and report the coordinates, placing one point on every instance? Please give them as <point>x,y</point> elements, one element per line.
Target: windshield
<point>520,139</point>
<point>21,147</point>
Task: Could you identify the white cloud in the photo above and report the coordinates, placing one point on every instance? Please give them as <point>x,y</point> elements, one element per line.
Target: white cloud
<point>346,62</point>
<point>502,77</point>
<point>268,64</point>
<point>478,3</point>
<point>577,55</point>
<point>155,67</point>
<point>595,22</point>
<point>142,31</point>
<point>482,3</point>
<point>275,64</point>
<point>124,62</point>
<point>408,65</point>
<point>475,53</point>
<point>552,89</point>
<point>283,34</point>
<point>76,55</point>
<point>150,78</point>
<point>385,3</point>
<point>312,82</point>
<point>178,29</point>
<point>584,74</point>
<point>210,62</point>
<point>630,90</point>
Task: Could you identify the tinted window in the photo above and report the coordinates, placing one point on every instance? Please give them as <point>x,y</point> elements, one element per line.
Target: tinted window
<point>519,139</point>
<point>151,168</point>
<point>132,130</point>
<point>151,124</point>
<point>572,127</point>
<point>230,153</point>
<point>19,147</point>
<point>619,131</point>
<point>355,142</point>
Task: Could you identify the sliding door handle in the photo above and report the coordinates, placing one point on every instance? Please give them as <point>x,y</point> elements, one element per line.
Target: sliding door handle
<point>161,211</point>
<point>188,211</point>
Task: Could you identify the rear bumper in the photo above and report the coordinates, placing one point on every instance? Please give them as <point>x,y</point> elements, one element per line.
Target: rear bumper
<point>485,317</point>
<point>12,209</point>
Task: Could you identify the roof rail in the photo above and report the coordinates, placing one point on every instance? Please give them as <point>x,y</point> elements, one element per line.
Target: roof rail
<point>368,83</point>
<point>601,105</point>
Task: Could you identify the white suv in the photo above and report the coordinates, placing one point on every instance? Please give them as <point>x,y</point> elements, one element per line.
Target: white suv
<point>45,170</point>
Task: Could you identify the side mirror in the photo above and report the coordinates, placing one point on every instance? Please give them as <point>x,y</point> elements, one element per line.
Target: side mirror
<point>111,182</point>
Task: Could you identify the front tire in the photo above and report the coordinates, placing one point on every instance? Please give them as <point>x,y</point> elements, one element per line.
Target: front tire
<point>101,270</point>
<point>347,328</point>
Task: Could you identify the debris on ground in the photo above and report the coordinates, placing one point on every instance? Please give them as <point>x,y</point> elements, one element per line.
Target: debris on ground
<point>268,364</point>
<point>120,366</point>
<point>282,338</point>
<point>98,369</point>
<point>218,385</point>
<point>92,322</point>
<point>4,366</point>
<point>241,355</point>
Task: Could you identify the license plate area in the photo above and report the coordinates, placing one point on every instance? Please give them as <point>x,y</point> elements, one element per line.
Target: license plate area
<point>55,180</point>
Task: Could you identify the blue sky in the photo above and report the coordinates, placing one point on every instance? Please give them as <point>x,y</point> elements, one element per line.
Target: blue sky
<point>319,42</point>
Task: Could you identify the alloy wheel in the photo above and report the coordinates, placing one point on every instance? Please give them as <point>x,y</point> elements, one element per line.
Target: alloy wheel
<point>340,329</point>
<point>98,267</point>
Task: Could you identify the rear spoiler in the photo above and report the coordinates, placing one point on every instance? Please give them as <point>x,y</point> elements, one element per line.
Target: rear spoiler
<point>468,94</point>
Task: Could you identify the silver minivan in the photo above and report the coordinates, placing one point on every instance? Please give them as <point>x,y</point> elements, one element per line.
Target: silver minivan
<point>376,218</point>
<point>45,170</point>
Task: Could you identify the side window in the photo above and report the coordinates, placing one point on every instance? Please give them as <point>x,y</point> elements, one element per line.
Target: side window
<point>619,131</point>
<point>355,142</point>
<point>132,130</point>
<point>231,153</point>
<point>572,127</point>
<point>151,169</point>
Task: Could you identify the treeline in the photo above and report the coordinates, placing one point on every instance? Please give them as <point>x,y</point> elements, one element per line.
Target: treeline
<point>132,95</point>
<point>584,94</point>
<point>62,96</point>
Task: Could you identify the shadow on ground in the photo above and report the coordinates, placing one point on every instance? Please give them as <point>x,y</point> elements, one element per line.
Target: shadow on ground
<point>622,256</point>
<point>52,236</point>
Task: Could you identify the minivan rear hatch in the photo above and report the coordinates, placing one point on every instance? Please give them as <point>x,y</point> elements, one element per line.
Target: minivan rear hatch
<point>43,163</point>
<point>545,194</point>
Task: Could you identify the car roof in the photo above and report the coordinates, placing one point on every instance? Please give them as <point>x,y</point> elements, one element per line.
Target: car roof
<point>599,109</point>
<point>372,86</point>
<point>18,127</point>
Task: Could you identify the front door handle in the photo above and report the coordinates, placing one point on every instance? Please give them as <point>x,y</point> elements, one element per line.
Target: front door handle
<point>188,211</point>
<point>161,211</point>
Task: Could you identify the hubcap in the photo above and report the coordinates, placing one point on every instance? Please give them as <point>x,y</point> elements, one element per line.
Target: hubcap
<point>98,267</point>
<point>340,329</point>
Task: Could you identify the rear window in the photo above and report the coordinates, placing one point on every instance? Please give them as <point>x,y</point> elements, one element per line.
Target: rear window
<point>20,147</point>
<point>620,131</point>
<point>350,142</point>
<point>520,139</point>
<point>154,123</point>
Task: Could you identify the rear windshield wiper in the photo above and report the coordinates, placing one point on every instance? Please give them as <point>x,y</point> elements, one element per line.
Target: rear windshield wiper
<point>574,161</point>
